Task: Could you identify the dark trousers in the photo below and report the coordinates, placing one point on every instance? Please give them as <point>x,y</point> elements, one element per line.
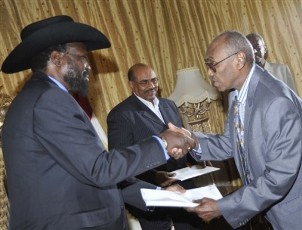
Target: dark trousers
<point>120,224</point>
<point>165,218</point>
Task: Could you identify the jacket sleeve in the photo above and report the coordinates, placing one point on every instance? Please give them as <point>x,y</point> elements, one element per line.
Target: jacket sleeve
<point>67,134</point>
<point>131,192</point>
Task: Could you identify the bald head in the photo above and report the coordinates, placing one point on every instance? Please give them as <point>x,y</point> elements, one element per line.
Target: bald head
<point>143,81</point>
<point>233,41</point>
<point>135,68</point>
<point>229,59</point>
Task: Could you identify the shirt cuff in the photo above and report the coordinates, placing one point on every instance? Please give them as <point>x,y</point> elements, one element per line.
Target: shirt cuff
<point>163,147</point>
<point>196,153</point>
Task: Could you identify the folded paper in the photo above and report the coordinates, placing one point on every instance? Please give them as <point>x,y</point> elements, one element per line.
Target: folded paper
<point>194,171</point>
<point>167,198</point>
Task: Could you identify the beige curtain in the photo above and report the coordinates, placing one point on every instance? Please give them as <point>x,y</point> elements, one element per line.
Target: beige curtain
<point>5,101</point>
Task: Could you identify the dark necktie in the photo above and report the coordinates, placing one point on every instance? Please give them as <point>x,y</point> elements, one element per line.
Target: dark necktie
<point>239,129</point>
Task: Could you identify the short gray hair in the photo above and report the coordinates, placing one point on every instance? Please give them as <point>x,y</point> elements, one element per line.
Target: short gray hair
<point>236,41</point>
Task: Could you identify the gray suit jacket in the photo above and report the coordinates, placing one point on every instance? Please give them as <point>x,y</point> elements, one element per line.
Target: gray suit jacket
<point>281,72</point>
<point>273,146</point>
<point>59,175</point>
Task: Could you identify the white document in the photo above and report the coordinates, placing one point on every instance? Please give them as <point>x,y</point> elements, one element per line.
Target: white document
<point>194,171</point>
<point>165,198</point>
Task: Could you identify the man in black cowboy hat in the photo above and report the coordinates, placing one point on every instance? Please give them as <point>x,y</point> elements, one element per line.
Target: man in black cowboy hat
<point>59,175</point>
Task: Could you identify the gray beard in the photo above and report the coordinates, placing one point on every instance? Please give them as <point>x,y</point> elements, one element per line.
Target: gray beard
<point>78,81</point>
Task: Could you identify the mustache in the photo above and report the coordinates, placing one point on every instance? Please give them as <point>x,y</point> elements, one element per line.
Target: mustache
<point>149,90</point>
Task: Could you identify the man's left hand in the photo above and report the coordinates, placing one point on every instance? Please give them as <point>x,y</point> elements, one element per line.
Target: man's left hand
<point>207,209</point>
<point>164,179</point>
<point>176,188</point>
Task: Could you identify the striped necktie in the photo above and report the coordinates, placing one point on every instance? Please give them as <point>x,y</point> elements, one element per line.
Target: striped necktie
<point>239,130</point>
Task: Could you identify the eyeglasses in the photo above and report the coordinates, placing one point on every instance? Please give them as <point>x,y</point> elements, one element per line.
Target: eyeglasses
<point>154,81</point>
<point>211,65</point>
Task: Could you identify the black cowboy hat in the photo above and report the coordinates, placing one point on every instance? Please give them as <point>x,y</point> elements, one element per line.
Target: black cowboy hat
<point>40,35</point>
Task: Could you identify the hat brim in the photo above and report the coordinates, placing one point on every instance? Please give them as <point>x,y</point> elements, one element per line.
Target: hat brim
<point>68,32</point>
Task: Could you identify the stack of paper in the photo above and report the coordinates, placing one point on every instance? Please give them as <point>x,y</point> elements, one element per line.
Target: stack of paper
<point>194,171</point>
<point>167,198</point>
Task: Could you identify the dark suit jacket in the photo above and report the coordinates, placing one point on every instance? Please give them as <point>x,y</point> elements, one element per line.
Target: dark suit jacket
<point>59,175</point>
<point>131,121</point>
<point>273,146</point>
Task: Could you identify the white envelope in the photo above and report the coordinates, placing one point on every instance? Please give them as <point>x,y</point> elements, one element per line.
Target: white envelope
<point>194,171</point>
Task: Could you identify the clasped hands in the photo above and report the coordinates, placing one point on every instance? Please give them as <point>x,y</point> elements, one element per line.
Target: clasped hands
<point>179,141</point>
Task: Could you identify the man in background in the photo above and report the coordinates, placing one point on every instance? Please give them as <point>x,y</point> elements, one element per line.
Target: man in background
<point>59,175</point>
<point>280,71</point>
<point>140,116</point>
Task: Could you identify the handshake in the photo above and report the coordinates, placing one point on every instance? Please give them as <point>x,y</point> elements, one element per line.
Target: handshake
<point>178,141</point>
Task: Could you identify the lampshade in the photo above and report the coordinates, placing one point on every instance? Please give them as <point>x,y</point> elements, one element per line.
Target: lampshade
<point>192,87</point>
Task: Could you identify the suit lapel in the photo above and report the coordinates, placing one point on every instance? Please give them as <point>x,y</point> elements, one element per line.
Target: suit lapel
<point>249,100</point>
<point>165,111</point>
<point>151,116</point>
<point>231,124</point>
<point>146,112</point>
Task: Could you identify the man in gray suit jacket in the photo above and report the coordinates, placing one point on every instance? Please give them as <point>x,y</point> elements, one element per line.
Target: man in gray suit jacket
<point>268,156</point>
<point>140,116</point>
<point>58,173</point>
<point>280,71</point>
